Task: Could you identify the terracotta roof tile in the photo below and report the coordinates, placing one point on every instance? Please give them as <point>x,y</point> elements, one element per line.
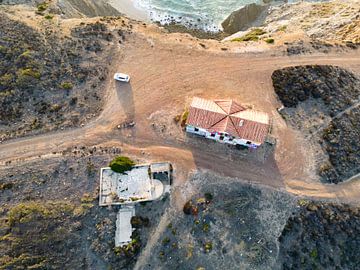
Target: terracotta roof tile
<point>230,117</point>
<point>229,106</point>
<point>203,118</point>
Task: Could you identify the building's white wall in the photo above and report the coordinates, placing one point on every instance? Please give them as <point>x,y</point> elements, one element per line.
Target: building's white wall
<point>244,142</point>
<point>226,139</point>
<point>200,131</point>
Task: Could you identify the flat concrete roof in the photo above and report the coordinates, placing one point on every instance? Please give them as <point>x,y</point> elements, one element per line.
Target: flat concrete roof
<point>160,167</point>
<point>135,185</point>
<point>124,229</point>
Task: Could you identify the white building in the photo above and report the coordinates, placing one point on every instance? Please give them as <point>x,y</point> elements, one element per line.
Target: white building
<point>137,185</point>
<point>228,122</point>
<point>142,183</point>
<point>124,229</point>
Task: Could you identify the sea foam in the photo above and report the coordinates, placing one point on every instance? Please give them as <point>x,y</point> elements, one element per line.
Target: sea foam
<point>201,14</point>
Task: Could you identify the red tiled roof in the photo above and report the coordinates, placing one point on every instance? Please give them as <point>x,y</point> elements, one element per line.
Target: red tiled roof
<point>230,117</point>
<point>229,106</point>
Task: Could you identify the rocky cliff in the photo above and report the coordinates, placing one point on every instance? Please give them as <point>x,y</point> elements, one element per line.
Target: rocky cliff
<point>72,8</point>
<point>243,18</point>
<point>89,8</point>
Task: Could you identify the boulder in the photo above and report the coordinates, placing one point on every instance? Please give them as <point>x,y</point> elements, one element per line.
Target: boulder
<point>243,18</point>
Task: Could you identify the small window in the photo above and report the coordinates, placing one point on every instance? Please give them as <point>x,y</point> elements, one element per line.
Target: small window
<point>248,142</point>
<point>212,135</point>
<point>196,129</point>
<point>230,139</point>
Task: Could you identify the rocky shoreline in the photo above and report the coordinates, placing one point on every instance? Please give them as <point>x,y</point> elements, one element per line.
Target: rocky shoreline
<point>313,26</point>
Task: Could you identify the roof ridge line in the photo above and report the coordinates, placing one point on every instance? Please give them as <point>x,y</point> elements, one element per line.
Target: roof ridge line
<point>215,101</point>
<point>242,108</point>
<point>219,121</point>
<point>238,133</point>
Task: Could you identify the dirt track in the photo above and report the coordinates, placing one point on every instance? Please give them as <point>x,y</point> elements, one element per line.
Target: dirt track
<point>165,75</point>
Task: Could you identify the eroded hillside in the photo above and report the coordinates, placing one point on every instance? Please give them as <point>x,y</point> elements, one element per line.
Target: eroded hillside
<point>323,102</point>
<point>51,76</point>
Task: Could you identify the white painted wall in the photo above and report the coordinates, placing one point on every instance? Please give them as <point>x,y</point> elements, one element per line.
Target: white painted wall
<point>226,139</point>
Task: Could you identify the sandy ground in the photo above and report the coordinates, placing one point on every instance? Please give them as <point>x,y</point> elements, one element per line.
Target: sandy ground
<point>129,8</point>
<point>167,70</point>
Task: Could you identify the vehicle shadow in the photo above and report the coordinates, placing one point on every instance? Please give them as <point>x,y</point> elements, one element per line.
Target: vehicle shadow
<point>125,96</point>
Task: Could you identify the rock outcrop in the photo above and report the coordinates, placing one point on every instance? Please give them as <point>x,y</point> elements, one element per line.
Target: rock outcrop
<point>89,8</point>
<point>243,18</point>
<point>72,8</point>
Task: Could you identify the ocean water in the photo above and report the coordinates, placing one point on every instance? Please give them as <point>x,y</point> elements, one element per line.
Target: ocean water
<point>203,14</point>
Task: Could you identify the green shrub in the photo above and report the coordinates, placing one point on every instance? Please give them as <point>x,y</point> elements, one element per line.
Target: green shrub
<point>23,261</point>
<point>253,35</point>
<point>49,16</point>
<point>138,221</point>
<point>26,54</point>
<point>282,28</point>
<point>82,209</point>
<point>177,118</point>
<point>67,85</point>
<point>187,208</point>
<point>270,40</point>
<point>206,227</point>
<point>303,202</point>
<point>6,79</point>
<point>6,186</point>
<point>208,247</point>
<point>42,7</point>
<point>3,49</point>
<point>208,196</point>
<point>87,198</point>
<point>121,164</point>
<point>29,72</point>
<point>314,253</point>
<point>7,93</point>
<point>184,118</point>
<point>166,241</point>
<point>26,212</point>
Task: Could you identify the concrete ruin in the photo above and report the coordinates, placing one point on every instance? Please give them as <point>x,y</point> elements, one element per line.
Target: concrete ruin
<point>142,183</point>
<point>124,229</point>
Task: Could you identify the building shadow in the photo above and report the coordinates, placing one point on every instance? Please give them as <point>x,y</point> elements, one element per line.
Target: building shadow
<point>248,165</point>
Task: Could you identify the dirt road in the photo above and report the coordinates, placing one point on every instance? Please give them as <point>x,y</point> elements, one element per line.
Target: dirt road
<point>165,76</point>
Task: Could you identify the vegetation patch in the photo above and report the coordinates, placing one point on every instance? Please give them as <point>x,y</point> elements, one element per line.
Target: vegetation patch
<point>42,7</point>
<point>184,118</point>
<point>253,35</point>
<point>337,87</point>
<point>223,225</point>
<point>34,63</point>
<point>49,16</point>
<point>121,164</point>
<point>341,142</point>
<point>321,236</point>
<point>324,94</point>
<point>5,186</point>
<point>282,28</point>
<point>29,231</point>
<point>129,250</point>
<point>67,85</point>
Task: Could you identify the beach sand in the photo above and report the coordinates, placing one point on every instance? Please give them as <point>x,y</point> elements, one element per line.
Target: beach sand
<point>128,8</point>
